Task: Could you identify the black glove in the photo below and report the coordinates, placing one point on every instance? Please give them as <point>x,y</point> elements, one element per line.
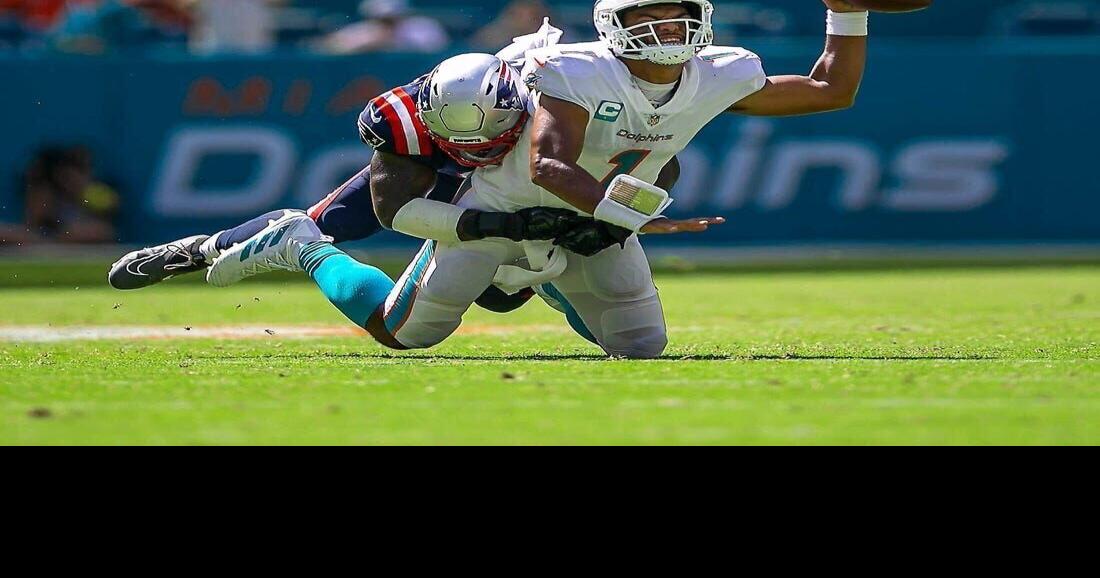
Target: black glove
<point>545,223</point>
<point>593,237</point>
<point>536,224</point>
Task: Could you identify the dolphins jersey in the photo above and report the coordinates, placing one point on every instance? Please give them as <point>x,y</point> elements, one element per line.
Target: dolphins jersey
<point>626,134</point>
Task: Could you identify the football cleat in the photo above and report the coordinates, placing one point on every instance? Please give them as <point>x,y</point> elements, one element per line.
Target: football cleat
<point>276,248</point>
<point>152,265</point>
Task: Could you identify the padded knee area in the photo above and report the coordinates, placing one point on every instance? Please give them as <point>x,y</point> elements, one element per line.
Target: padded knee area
<point>635,331</point>
<point>645,343</point>
<point>429,324</point>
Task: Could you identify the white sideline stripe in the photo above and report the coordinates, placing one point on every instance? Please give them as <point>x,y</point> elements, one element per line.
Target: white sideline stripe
<point>46,334</point>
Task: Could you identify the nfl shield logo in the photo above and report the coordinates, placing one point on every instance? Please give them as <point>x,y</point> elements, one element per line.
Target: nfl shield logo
<point>655,120</point>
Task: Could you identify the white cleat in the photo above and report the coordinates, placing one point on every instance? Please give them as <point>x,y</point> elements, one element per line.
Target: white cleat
<point>276,248</point>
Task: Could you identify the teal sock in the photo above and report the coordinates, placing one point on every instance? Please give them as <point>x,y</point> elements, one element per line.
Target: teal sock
<point>357,290</point>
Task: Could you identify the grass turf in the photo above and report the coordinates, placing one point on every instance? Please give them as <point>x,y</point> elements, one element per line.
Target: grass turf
<point>979,356</point>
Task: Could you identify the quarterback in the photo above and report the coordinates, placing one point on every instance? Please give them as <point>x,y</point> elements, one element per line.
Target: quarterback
<point>413,159</point>
<point>608,116</point>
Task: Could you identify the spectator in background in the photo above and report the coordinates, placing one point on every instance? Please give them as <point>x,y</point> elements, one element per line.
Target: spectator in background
<point>101,26</point>
<point>390,26</point>
<point>37,15</point>
<point>64,201</point>
<point>519,18</point>
<point>234,26</point>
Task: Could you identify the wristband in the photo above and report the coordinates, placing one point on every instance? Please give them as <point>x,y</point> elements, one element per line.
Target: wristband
<point>846,23</point>
<point>428,219</point>
<point>476,225</point>
<point>631,203</point>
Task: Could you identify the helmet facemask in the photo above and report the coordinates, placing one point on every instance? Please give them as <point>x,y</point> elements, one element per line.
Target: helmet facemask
<point>642,41</point>
<point>475,109</point>
<point>482,154</point>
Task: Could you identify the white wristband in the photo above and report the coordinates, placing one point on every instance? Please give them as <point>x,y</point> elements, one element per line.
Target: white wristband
<point>428,219</point>
<point>631,203</point>
<point>846,23</point>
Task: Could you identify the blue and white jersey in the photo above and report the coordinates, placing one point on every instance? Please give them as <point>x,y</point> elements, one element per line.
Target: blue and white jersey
<point>391,125</point>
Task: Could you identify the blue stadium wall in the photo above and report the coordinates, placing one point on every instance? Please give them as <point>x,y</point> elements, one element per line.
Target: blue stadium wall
<point>952,140</point>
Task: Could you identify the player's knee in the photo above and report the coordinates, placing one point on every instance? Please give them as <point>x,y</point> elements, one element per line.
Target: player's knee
<point>430,324</point>
<point>645,343</point>
<point>425,335</point>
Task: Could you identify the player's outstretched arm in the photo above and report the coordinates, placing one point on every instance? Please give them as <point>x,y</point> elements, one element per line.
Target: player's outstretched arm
<point>832,85</point>
<point>400,185</point>
<point>394,181</point>
<point>557,140</point>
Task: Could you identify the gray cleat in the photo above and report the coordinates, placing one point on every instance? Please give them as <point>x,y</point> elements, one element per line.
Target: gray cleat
<point>150,266</point>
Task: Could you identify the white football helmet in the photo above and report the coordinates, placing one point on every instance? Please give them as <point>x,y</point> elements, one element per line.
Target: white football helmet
<point>475,108</point>
<point>641,42</point>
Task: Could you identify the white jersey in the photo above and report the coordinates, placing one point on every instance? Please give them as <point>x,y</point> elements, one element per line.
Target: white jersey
<point>626,134</point>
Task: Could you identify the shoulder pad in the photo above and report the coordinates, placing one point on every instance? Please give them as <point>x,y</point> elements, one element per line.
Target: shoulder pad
<point>390,124</point>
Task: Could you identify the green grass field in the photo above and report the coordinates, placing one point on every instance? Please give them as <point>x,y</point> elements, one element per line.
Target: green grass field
<point>930,356</point>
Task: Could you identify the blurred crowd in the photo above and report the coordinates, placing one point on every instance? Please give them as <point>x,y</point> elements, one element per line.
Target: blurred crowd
<point>96,27</point>
<point>359,26</point>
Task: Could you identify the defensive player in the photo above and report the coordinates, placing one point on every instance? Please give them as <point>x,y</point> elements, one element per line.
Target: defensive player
<point>610,115</point>
<point>412,160</point>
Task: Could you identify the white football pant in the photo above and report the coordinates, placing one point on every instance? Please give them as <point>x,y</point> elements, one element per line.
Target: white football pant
<point>612,293</point>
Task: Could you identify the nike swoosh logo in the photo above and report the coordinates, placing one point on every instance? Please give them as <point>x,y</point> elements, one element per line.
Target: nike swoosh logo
<point>134,267</point>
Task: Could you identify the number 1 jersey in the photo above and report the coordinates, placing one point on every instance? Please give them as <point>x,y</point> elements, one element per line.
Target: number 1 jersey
<point>625,133</point>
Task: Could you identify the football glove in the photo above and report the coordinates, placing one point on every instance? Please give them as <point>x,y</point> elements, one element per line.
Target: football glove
<point>535,224</point>
<point>593,237</point>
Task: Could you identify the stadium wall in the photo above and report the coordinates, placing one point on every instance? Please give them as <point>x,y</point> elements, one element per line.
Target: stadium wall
<point>952,141</point>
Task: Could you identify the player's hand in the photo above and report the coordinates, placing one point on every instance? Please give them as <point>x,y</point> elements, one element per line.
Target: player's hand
<point>670,227</point>
<point>593,237</point>
<point>546,223</point>
<point>842,6</point>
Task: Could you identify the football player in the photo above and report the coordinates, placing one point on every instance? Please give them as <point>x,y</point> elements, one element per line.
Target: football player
<point>412,160</point>
<point>610,115</point>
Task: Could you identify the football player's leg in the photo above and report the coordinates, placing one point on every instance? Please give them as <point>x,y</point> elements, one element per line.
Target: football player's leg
<point>440,285</point>
<point>152,265</point>
<point>345,214</point>
<point>554,298</point>
<point>348,215</point>
<point>616,301</point>
<point>356,289</point>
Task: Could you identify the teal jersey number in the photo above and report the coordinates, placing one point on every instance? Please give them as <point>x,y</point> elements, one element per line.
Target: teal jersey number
<point>625,164</point>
